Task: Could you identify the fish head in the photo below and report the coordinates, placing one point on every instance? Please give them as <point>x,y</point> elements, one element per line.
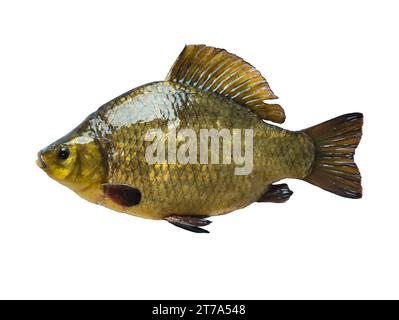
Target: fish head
<point>75,161</point>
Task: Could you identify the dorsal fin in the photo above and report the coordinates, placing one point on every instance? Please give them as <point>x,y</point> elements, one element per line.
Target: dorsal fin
<point>216,70</point>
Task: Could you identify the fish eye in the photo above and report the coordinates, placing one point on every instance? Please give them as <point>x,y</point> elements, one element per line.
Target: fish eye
<point>63,153</point>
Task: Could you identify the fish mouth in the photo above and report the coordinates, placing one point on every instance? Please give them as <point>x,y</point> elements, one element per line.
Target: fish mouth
<point>40,161</point>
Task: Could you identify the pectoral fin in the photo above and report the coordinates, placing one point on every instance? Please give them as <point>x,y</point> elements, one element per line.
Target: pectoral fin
<point>277,193</point>
<point>190,223</point>
<point>122,194</point>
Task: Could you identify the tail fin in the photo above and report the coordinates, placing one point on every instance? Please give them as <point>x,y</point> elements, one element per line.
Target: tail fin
<point>335,142</point>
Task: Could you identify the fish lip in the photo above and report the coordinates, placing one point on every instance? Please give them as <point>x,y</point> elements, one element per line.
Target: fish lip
<point>40,161</point>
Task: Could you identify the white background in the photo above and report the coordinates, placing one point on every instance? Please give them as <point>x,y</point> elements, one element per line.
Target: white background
<point>60,61</point>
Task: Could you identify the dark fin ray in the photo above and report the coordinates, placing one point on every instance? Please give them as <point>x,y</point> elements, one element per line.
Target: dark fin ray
<point>334,168</point>
<point>122,194</point>
<point>190,223</point>
<point>216,70</point>
<point>277,193</point>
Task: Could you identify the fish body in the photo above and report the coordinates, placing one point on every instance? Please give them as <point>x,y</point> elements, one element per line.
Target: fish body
<point>107,159</point>
<point>120,127</point>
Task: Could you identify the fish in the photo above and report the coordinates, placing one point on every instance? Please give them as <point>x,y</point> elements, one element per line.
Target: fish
<point>173,150</point>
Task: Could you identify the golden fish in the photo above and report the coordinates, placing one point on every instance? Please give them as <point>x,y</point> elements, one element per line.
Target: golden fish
<point>173,149</point>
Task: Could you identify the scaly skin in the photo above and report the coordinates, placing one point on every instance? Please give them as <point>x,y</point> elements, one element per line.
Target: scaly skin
<point>191,189</point>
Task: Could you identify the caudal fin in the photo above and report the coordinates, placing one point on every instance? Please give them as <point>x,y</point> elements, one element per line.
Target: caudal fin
<point>334,168</point>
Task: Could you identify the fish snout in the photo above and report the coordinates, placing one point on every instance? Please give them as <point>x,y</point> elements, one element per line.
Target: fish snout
<point>40,160</point>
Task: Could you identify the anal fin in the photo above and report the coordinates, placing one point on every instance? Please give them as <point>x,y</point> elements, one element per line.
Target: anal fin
<point>277,193</point>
